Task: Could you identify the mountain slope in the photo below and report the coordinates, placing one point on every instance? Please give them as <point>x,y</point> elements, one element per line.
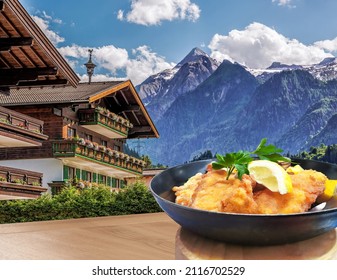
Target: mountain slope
<point>327,136</point>
<point>159,91</point>
<point>184,128</point>
<point>200,105</point>
<point>276,106</point>
<point>296,139</point>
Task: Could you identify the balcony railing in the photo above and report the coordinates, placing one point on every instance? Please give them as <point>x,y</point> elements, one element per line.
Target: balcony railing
<point>97,154</point>
<point>20,183</point>
<point>21,123</point>
<point>104,122</point>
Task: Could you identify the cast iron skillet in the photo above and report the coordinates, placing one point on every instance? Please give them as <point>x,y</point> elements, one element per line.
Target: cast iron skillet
<point>245,229</point>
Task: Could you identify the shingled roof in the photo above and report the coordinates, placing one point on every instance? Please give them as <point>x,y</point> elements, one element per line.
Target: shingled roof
<point>121,95</point>
<point>56,94</point>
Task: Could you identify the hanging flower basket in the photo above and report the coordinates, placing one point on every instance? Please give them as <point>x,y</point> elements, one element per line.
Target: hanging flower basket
<point>81,141</point>
<point>109,152</point>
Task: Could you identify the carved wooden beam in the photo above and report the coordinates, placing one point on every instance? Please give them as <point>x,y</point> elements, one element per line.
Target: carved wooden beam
<point>21,72</point>
<point>43,82</point>
<point>128,108</point>
<point>12,77</point>
<point>140,131</point>
<point>7,43</point>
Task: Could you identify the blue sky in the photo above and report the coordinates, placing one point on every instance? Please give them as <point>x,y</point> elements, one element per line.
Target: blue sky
<point>136,38</point>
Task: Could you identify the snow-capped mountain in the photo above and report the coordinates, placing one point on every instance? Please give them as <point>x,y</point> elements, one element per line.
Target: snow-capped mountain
<point>201,105</point>
<point>160,90</point>
<point>326,70</point>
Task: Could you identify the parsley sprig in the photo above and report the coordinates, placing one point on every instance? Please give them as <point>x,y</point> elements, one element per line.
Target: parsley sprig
<point>241,159</point>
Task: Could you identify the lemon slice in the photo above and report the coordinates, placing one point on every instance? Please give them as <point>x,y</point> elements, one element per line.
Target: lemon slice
<point>294,169</point>
<point>329,191</point>
<point>271,175</point>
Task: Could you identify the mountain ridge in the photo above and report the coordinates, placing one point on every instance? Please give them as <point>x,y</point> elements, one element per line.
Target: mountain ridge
<point>202,105</point>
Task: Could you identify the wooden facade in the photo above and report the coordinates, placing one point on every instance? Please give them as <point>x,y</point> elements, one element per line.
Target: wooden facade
<point>27,59</point>
<point>87,128</point>
<point>55,126</point>
<point>19,183</point>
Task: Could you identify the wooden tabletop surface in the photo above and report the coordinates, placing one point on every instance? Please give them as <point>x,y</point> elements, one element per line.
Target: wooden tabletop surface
<point>137,237</point>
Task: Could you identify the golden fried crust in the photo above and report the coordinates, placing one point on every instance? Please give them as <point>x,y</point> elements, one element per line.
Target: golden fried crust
<point>215,193</point>
<point>212,192</point>
<point>307,186</point>
<point>184,193</point>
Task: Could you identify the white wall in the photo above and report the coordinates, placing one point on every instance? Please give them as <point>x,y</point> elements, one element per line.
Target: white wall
<point>51,168</point>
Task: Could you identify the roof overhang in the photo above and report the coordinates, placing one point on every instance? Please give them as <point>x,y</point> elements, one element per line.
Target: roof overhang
<point>126,102</point>
<point>27,57</point>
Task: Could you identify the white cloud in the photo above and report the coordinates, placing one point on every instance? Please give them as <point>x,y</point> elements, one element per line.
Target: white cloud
<point>153,12</point>
<point>144,64</point>
<point>140,66</point>
<point>284,3</point>
<point>328,45</point>
<point>258,45</point>
<point>120,15</point>
<point>44,23</point>
<point>100,78</point>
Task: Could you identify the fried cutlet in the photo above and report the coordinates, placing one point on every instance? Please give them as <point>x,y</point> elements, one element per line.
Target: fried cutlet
<point>307,186</point>
<point>212,192</point>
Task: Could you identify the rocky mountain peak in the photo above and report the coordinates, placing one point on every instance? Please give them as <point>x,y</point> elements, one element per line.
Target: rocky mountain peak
<point>194,55</point>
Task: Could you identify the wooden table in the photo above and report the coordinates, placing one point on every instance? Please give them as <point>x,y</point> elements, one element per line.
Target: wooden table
<point>137,237</point>
<point>190,246</point>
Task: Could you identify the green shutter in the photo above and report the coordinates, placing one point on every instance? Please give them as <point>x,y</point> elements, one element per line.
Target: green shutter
<point>94,177</point>
<point>108,181</point>
<point>113,182</point>
<point>78,173</point>
<point>84,175</point>
<point>99,179</point>
<point>65,172</point>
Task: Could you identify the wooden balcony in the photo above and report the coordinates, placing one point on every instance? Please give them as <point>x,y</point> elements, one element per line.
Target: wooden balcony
<point>90,156</point>
<point>19,130</point>
<point>20,184</point>
<point>104,122</point>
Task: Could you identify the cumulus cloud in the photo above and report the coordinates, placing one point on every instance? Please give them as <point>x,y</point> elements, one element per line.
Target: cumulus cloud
<point>328,45</point>
<point>142,63</point>
<point>283,2</point>
<point>145,63</point>
<point>153,12</point>
<point>258,45</point>
<point>44,24</point>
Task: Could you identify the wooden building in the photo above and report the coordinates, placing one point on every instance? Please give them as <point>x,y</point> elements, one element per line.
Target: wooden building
<point>27,59</point>
<point>87,127</point>
<point>53,128</point>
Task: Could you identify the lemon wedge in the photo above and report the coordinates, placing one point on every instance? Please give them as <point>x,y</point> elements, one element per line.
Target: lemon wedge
<point>294,169</point>
<point>271,175</point>
<point>329,191</point>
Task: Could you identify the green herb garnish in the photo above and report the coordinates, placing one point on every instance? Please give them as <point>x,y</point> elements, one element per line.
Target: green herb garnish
<point>241,159</point>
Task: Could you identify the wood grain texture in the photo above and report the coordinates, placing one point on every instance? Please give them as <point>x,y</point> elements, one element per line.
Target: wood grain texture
<point>190,246</point>
<point>137,237</point>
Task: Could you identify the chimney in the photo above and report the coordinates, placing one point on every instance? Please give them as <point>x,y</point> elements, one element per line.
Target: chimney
<point>90,66</point>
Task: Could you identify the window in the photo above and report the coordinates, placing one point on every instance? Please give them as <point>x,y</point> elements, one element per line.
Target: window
<point>89,176</point>
<point>102,179</point>
<point>88,137</point>
<point>71,172</point>
<point>104,143</point>
<point>71,132</point>
<point>117,148</point>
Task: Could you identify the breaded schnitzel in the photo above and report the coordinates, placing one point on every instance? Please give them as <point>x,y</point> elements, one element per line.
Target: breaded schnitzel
<point>212,192</point>
<point>307,186</point>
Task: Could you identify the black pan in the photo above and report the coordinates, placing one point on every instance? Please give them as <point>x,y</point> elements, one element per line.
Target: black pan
<point>245,229</point>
